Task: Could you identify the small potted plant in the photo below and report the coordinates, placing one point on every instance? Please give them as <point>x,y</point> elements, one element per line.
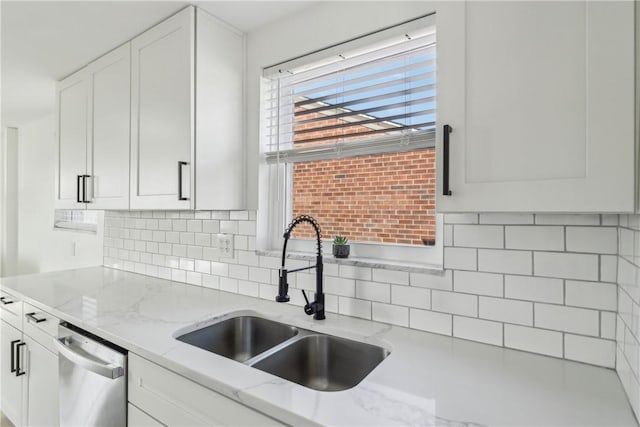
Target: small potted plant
<point>340,247</point>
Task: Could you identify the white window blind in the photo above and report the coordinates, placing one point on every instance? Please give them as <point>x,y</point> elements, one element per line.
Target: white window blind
<point>376,100</point>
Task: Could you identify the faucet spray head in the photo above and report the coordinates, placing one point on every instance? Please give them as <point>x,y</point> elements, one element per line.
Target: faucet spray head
<point>283,286</point>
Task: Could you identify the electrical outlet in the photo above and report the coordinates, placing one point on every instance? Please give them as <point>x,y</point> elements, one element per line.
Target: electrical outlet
<point>225,245</point>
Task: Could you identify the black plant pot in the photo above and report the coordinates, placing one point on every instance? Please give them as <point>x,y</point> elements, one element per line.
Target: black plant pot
<point>341,251</point>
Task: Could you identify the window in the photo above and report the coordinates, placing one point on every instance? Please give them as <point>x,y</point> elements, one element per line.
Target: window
<point>349,138</point>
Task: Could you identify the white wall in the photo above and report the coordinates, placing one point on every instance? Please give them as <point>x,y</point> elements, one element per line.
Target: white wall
<point>274,43</point>
<point>9,202</point>
<point>40,248</point>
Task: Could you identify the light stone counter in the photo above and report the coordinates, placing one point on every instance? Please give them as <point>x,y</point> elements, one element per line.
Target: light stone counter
<point>426,380</point>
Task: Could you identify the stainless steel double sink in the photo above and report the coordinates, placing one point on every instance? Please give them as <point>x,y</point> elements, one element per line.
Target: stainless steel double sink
<point>318,361</point>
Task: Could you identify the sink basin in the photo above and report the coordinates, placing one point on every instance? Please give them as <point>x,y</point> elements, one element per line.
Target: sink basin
<point>324,362</point>
<point>240,338</point>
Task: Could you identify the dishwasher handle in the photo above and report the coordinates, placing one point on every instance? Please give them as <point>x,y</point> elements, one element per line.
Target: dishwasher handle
<point>109,370</point>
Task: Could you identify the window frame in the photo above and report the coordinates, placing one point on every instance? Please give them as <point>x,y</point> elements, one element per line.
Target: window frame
<point>276,184</point>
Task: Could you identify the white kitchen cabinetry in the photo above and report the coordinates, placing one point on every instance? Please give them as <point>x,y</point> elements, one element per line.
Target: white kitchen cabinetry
<point>72,140</point>
<point>186,115</point>
<point>93,134</point>
<point>29,364</point>
<point>42,385</point>
<point>540,97</point>
<point>11,393</point>
<point>174,400</point>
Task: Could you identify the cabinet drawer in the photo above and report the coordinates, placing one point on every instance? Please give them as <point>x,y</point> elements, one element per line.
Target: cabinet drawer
<point>137,418</point>
<point>11,310</point>
<point>40,325</point>
<point>175,400</point>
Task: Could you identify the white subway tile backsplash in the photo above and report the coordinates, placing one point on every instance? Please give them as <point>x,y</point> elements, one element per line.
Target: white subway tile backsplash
<point>590,350</point>
<point>229,227</point>
<point>451,302</point>
<point>352,272</point>
<point>453,218</point>
<point>354,307</point>
<point>545,238</point>
<point>478,236</point>
<point>373,291</point>
<point>505,310</point>
<point>608,268</point>
<point>391,276</point>
<point>473,282</point>
<point>210,226</point>
<point>533,340</point>
<point>239,271</point>
<point>567,219</point>
<point>568,319</point>
<point>608,325</point>
<point>390,314</point>
<point>531,288</point>
<point>194,278</point>
<point>437,280</point>
<point>179,225</point>
<point>338,286</point>
<point>477,330</point>
<point>430,321</point>
<point>460,258</point>
<point>203,266</point>
<point>410,296</point>
<point>448,235</point>
<point>238,215</point>
<point>251,289</point>
<point>506,218</point>
<point>501,273</point>
<point>229,284</point>
<point>194,252</point>
<point>566,265</point>
<point>504,261</point>
<point>600,240</point>
<point>597,295</point>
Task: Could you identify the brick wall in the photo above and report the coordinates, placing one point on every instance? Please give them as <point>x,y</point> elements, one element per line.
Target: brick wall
<point>388,198</point>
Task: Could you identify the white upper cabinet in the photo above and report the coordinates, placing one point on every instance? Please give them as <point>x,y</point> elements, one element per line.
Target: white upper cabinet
<point>93,135</point>
<point>540,99</point>
<point>186,116</point>
<point>72,141</point>
<point>108,149</point>
<point>162,115</point>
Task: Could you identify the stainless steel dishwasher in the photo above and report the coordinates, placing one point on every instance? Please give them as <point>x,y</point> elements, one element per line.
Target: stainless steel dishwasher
<point>92,379</point>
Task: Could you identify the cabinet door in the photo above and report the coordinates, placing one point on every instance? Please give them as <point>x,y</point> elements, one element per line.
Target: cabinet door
<point>162,115</point>
<point>11,393</point>
<point>42,386</point>
<point>108,148</point>
<point>540,96</point>
<point>219,112</point>
<point>72,98</point>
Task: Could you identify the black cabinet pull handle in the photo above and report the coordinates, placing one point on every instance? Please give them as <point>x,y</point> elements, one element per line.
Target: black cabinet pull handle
<point>13,355</point>
<point>180,165</point>
<point>445,161</point>
<point>18,372</point>
<point>84,188</point>
<point>33,317</point>
<point>4,301</point>
<point>79,178</point>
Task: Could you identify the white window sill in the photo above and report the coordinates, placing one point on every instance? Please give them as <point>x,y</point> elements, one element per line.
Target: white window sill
<point>360,262</point>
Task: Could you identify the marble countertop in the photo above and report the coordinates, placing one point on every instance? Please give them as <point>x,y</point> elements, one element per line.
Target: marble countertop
<point>426,380</point>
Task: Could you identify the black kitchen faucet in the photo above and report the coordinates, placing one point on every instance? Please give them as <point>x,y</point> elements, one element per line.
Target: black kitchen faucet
<point>317,306</point>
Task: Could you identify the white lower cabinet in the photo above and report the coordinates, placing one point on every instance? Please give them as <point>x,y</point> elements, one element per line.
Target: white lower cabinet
<point>29,365</point>
<point>138,418</point>
<point>11,394</point>
<point>42,385</point>
<point>173,400</point>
